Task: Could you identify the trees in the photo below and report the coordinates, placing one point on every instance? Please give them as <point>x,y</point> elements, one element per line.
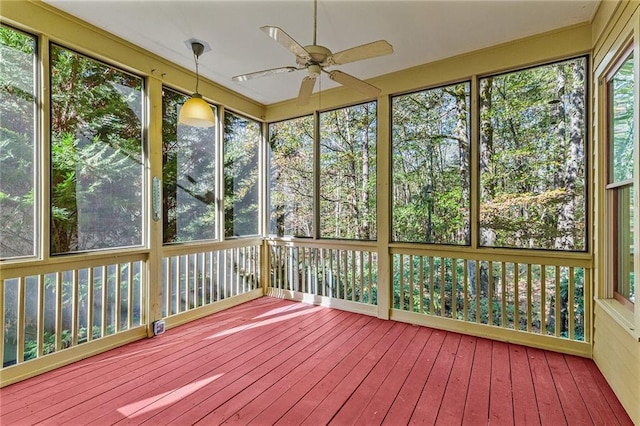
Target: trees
<point>18,103</point>
<point>291,177</point>
<point>188,176</point>
<point>348,172</point>
<point>241,153</point>
<point>532,161</point>
<point>96,155</point>
<point>431,180</point>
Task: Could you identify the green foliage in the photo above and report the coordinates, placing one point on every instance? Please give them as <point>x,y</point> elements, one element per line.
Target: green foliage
<point>348,177</point>
<point>188,175</point>
<point>421,285</point>
<point>17,143</point>
<point>622,90</point>
<point>291,177</point>
<point>431,179</point>
<point>532,157</point>
<point>241,152</point>
<point>101,290</point>
<point>96,155</point>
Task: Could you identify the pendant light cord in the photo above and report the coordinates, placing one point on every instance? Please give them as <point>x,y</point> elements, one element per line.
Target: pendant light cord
<point>195,57</point>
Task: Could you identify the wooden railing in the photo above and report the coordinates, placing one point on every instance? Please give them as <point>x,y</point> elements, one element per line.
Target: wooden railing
<point>339,273</point>
<point>540,296</point>
<point>70,304</point>
<point>51,308</point>
<point>75,306</point>
<point>538,299</point>
<point>194,277</point>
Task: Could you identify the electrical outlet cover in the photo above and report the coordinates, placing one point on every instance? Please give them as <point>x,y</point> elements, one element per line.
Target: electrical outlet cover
<point>158,327</point>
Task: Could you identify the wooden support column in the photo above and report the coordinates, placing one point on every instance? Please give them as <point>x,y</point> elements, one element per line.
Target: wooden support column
<point>383,206</point>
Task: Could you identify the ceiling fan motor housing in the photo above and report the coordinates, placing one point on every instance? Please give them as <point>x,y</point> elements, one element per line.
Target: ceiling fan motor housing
<point>314,70</point>
<point>319,55</point>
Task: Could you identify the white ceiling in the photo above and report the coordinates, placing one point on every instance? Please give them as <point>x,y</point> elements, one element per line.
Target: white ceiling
<point>420,31</point>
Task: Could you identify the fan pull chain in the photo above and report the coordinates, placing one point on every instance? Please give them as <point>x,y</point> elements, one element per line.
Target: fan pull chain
<point>319,92</point>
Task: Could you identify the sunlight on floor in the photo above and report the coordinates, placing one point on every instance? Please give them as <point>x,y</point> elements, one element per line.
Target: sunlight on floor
<point>166,398</point>
<point>277,311</point>
<point>263,323</point>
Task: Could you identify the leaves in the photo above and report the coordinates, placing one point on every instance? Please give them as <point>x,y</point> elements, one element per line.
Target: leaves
<point>96,154</point>
<point>532,164</point>
<point>431,166</point>
<point>17,143</point>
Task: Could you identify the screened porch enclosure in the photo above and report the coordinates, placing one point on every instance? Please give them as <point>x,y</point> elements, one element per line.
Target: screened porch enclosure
<point>485,201</point>
<point>295,208</point>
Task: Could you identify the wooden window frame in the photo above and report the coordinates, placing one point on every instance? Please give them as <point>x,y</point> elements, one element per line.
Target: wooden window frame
<point>613,188</point>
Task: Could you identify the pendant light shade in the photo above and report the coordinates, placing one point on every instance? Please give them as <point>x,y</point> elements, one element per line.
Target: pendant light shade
<point>196,111</point>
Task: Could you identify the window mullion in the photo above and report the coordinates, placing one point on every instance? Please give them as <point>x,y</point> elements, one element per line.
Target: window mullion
<point>316,175</point>
<point>44,150</point>
<point>474,158</point>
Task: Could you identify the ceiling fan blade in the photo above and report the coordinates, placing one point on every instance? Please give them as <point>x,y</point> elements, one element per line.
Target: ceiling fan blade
<point>354,83</point>
<point>285,39</point>
<point>257,74</point>
<point>358,53</point>
<point>306,88</point>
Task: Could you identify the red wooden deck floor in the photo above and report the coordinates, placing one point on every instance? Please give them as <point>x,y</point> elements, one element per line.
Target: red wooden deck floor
<point>272,361</point>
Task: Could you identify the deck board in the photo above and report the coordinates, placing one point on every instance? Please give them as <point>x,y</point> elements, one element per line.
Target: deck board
<point>476,409</point>
<point>164,373</point>
<point>501,394</point>
<point>550,410</point>
<point>430,401</point>
<point>407,398</point>
<point>345,365</point>
<point>379,405</point>
<point>575,411</point>
<point>361,397</point>
<point>525,406</point>
<point>294,384</point>
<point>359,367</point>
<point>272,361</point>
<point>455,395</point>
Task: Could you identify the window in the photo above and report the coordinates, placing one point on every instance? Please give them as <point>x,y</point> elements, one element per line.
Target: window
<point>348,173</point>
<point>532,157</point>
<point>620,119</point>
<point>96,155</point>
<point>241,153</point>
<point>18,103</point>
<point>188,175</point>
<point>291,177</point>
<point>430,138</point>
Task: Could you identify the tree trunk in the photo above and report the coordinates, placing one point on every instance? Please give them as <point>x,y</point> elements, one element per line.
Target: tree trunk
<point>488,235</point>
<point>364,199</point>
<point>566,219</point>
<point>461,134</point>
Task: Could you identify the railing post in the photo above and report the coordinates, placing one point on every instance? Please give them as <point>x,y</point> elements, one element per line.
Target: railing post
<point>153,272</point>
<point>383,155</point>
<point>265,273</point>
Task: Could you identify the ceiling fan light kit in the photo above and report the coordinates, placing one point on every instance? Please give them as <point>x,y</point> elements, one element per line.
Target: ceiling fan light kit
<point>196,111</point>
<point>314,58</point>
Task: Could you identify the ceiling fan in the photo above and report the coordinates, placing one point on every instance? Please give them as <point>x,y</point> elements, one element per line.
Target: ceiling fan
<point>314,58</point>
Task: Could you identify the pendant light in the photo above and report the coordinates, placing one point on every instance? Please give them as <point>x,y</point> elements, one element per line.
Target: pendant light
<point>196,111</point>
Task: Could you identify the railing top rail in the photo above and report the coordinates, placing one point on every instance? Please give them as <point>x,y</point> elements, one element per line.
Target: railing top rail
<point>327,244</point>
<point>202,246</point>
<point>70,262</point>
<point>550,258</point>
